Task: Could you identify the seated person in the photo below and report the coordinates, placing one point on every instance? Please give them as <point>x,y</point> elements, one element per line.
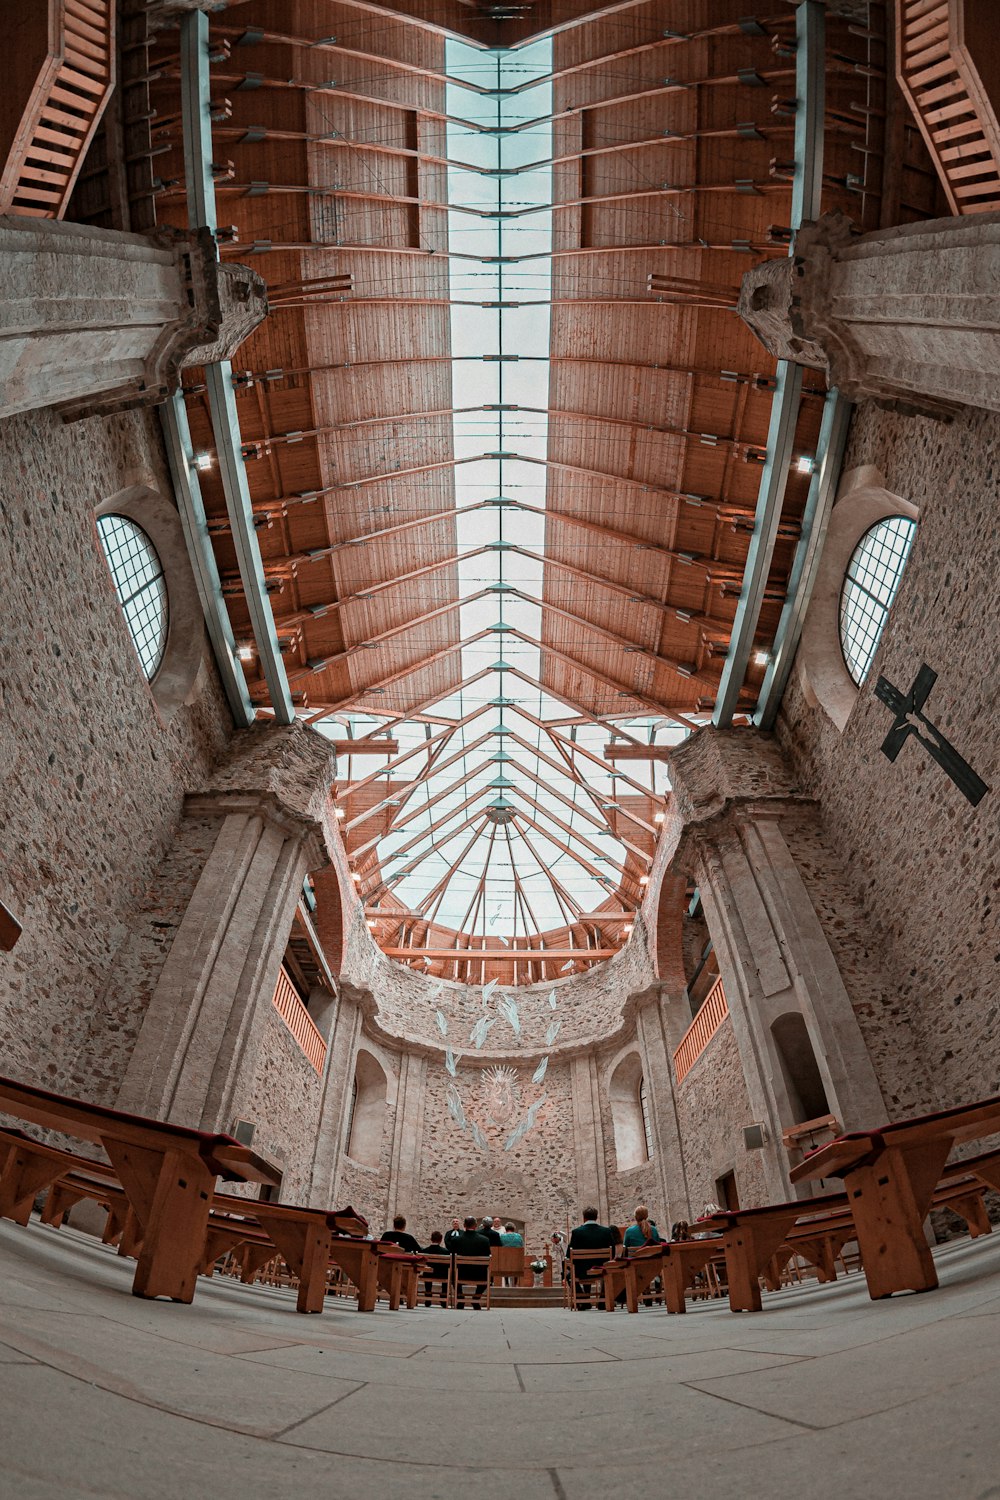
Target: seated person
<point>642,1232</point>
<point>486,1228</point>
<point>436,1252</point>
<point>397,1236</point>
<point>591,1236</point>
<point>681,1230</point>
<point>510,1236</point>
<point>467,1241</point>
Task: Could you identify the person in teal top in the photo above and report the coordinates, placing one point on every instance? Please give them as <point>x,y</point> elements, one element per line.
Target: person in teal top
<point>510,1236</point>
<point>642,1232</point>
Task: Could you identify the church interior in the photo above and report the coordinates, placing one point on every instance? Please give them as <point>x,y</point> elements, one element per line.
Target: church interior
<point>375,376</point>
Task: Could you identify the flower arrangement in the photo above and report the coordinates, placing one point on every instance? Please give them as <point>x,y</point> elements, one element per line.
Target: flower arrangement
<point>538,1266</point>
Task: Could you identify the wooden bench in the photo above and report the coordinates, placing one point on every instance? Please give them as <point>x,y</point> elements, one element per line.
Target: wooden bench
<point>168,1173</point>
<point>890,1176</point>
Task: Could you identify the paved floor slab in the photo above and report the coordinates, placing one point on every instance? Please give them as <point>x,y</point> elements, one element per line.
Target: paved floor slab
<point>823,1394</point>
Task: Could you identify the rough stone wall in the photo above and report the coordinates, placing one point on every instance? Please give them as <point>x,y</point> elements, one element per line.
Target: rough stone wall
<point>283,1098</point>
<point>713,1106</point>
<point>534,1181</point>
<point>922,862</point>
<point>91,780</point>
<point>588,1005</point>
<point>884,1021</point>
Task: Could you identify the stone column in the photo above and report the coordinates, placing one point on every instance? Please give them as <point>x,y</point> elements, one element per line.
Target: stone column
<point>95,320</point>
<point>588,1135</point>
<point>908,316</point>
<point>404,1160</point>
<point>733,791</point>
<point>657,1048</point>
<point>338,1077</point>
<point>200,1031</point>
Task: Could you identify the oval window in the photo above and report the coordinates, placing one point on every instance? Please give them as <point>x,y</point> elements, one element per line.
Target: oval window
<point>870,585</point>
<point>142,592</point>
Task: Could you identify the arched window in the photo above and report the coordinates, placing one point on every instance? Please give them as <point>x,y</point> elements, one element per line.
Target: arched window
<point>627,1096</point>
<point>647,1124</point>
<point>366,1123</point>
<point>137,574</point>
<point>870,585</point>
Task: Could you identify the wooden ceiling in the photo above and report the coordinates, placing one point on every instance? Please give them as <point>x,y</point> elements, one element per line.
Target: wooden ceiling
<point>672,143</point>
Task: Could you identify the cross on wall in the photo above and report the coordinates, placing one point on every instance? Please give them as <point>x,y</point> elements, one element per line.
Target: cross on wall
<point>912,722</point>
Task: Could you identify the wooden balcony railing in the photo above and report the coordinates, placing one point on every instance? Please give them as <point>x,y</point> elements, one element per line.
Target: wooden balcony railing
<point>947,67</point>
<point>706,1023</point>
<point>61,77</point>
<point>299,1022</point>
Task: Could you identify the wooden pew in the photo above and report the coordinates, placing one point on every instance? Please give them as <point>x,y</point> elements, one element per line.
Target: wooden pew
<point>890,1176</point>
<point>168,1173</point>
<point>305,1237</point>
<point>397,1272</point>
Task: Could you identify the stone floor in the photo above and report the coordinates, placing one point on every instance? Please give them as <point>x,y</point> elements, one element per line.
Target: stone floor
<point>823,1394</point>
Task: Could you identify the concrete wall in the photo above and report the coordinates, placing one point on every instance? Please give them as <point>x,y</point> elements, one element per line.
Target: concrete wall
<point>922,864</point>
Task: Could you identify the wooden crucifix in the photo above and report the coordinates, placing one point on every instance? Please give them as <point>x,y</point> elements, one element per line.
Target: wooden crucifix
<point>911,720</point>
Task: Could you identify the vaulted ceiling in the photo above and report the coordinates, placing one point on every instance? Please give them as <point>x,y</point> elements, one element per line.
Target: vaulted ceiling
<point>503,429</point>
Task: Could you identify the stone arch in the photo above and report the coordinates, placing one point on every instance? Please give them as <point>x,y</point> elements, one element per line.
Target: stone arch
<point>174,681</point>
<point>366,1122</point>
<point>800,1070</point>
<point>669,944</point>
<point>624,1086</point>
<point>328,917</point>
<point>863,501</point>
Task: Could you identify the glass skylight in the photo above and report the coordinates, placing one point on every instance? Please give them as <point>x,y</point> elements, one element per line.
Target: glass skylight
<point>508,813</point>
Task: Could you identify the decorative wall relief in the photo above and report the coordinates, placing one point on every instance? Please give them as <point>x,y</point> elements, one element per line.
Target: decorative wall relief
<point>495,1111</point>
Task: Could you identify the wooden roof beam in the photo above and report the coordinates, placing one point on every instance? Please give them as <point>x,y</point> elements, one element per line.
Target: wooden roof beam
<point>621,642</point>
<point>365,745</point>
<point>408,671</point>
<point>500,955</point>
<point>419,780</point>
<point>623,689</point>
<point>619,751</point>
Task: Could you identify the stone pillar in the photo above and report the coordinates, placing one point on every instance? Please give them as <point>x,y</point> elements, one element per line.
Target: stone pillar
<point>404,1160</point>
<point>338,1077</point>
<point>94,320</point>
<point>588,1136</point>
<point>733,791</point>
<point>657,1048</point>
<point>200,1033</point>
<point>907,317</point>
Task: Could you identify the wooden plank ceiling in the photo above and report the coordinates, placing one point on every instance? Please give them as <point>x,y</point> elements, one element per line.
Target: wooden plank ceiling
<point>672,138</point>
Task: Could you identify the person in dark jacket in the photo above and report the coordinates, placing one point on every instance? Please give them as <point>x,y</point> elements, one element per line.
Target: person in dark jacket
<point>397,1235</point>
<point>486,1228</point>
<point>591,1236</point>
<point>468,1241</point>
<point>436,1252</point>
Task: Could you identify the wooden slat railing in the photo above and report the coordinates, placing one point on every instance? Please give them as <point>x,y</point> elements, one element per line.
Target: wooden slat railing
<point>299,1022</point>
<point>944,89</point>
<point>62,111</point>
<point>706,1023</point>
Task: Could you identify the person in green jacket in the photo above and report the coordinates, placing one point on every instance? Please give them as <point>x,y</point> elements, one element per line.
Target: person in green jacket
<point>642,1232</point>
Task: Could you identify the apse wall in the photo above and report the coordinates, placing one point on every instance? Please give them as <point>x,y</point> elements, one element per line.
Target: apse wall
<point>522,1125</point>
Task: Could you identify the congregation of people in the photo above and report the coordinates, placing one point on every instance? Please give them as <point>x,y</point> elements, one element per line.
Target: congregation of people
<point>470,1242</point>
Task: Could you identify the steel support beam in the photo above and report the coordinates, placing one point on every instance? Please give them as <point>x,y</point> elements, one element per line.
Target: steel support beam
<point>180,456</point>
<point>195,109</point>
<point>822,490</point>
<point>807,188</point>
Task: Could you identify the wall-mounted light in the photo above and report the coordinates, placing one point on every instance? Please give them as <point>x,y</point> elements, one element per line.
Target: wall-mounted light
<point>203,461</point>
